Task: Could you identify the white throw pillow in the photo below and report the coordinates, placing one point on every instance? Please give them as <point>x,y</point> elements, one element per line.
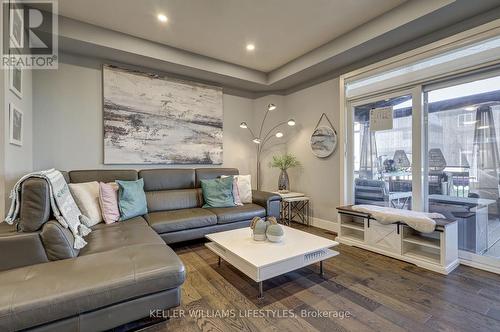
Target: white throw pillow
<point>86,196</point>
<point>245,188</point>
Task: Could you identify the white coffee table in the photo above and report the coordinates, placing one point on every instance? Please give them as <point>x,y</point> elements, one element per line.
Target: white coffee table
<point>262,260</point>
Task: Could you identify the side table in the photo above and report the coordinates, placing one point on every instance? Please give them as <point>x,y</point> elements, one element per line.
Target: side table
<point>294,207</point>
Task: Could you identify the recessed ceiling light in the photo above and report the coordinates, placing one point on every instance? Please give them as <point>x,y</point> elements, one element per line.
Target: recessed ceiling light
<point>162,18</point>
<point>250,47</point>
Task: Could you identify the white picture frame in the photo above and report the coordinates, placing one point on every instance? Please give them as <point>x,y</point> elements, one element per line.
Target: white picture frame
<point>16,28</point>
<point>16,80</point>
<point>16,124</point>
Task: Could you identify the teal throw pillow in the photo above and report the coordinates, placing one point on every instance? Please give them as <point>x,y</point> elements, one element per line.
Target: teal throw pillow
<point>218,192</point>
<point>131,199</point>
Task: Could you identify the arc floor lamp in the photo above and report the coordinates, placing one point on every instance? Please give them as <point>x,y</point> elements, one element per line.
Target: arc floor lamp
<point>261,140</point>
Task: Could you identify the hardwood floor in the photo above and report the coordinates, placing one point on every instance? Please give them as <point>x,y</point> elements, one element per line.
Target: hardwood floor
<point>379,293</point>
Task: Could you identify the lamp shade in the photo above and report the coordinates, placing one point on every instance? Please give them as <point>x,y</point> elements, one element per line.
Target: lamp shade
<point>257,140</point>
<point>243,125</point>
<point>291,122</point>
<point>279,134</point>
<point>271,107</point>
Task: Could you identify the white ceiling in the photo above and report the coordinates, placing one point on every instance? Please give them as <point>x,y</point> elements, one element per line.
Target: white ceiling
<point>281,30</point>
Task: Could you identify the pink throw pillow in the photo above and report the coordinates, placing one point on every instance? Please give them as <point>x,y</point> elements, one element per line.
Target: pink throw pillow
<point>108,199</point>
<point>236,193</point>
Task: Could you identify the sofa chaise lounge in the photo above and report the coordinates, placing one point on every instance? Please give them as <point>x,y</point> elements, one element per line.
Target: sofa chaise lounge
<point>126,269</point>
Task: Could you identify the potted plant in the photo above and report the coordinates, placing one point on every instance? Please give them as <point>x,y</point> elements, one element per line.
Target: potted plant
<point>284,162</point>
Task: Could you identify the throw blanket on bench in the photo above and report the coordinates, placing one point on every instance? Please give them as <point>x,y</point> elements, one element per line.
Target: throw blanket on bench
<point>62,203</point>
<point>419,221</point>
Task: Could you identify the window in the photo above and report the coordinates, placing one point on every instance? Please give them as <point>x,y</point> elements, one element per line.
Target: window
<point>382,172</point>
<point>466,119</point>
<point>464,163</point>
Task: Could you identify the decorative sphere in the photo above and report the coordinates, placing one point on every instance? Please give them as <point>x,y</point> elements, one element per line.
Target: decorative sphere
<point>259,231</point>
<point>275,233</point>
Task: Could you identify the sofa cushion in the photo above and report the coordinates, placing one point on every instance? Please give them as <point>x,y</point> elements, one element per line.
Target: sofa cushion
<point>118,235</point>
<point>178,220</point>
<point>19,249</point>
<point>167,179</point>
<point>58,241</point>
<point>238,213</point>
<point>102,175</point>
<point>166,200</point>
<point>34,205</point>
<point>137,220</point>
<point>37,294</point>
<point>212,173</point>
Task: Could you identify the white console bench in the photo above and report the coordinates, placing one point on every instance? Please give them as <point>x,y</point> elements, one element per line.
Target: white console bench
<point>436,251</point>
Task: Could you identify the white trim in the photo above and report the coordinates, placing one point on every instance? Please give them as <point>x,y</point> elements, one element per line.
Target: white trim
<point>482,262</point>
<point>329,225</point>
<point>479,265</point>
<point>344,199</point>
<point>418,150</point>
<point>483,73</point>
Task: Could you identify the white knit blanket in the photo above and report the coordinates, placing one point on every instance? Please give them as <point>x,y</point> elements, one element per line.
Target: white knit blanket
<point>420,221</point>
<point>63,205</point>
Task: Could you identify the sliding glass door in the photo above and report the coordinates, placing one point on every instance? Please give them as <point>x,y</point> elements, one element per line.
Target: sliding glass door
<point>382,151</point>
<point>423,133</point>
<point>463,131</point>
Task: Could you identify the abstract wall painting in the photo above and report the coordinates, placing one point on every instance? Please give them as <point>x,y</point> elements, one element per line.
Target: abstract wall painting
<point>152,119</point>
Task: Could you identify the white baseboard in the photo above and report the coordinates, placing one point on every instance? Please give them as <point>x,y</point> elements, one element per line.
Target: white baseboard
<point>325,224</point>
<point>480,265</point>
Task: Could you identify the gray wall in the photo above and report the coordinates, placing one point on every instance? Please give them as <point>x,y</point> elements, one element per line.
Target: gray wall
<point>317,178</point>
<point>18,159</point>
<point>68,133</point>
<point>68,130</point>
<point>14,160</point>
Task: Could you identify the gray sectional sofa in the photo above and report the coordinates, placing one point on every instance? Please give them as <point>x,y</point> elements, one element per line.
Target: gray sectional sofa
<point>126,269</point>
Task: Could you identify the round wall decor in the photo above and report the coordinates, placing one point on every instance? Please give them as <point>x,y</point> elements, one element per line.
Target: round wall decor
<point>323,139</point>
